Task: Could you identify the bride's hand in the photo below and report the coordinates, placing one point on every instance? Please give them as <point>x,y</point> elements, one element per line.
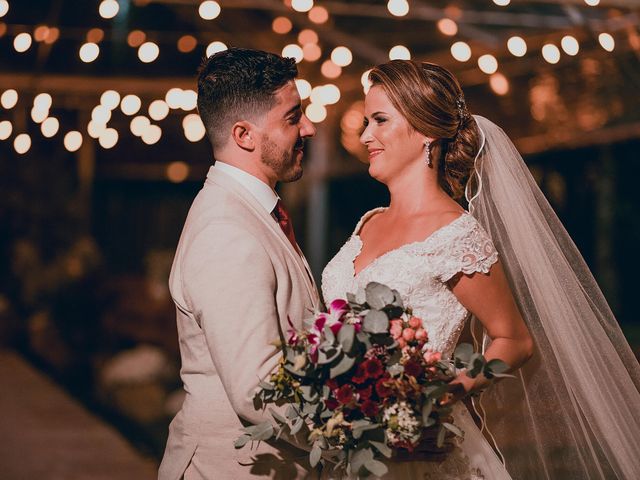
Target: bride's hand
<point>427,449</point>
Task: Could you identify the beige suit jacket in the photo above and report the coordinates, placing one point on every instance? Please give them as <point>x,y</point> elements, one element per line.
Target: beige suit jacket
<point>235,279</point>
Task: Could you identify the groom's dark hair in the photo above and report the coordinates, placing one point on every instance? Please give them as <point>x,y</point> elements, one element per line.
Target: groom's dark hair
<point>239,84</point>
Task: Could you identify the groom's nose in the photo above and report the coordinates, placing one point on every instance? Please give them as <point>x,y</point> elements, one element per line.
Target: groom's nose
<point>306,129</point>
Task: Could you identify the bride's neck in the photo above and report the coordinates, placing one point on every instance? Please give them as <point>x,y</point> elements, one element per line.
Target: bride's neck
<point>416,192</point>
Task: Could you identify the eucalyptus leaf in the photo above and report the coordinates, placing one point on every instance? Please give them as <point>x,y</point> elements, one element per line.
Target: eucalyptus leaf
<point>296,425</point>
<point>328,334</point>
<point>266,385</point>
<point>496,368</point>
<point>316,453</point>
<point>397,299</point>
<point>376,467</point>
<point>343,366</point>
<point>476,365</point>
<point>359,458</point>
<point>426,412</point>
<point>435,391</point>
<point>376,322</point>
<point>327,355</point>
<point>292,412</point>
<point>463,352</point>
<point>378,296</point>
<point>262,431</point>
<point>242,441</point>
<point>440,438</point>
<point>346,335</point>
<point>277,416</point>
<point>361,296</point>
<point>453,428</point>
<point>383,448</point>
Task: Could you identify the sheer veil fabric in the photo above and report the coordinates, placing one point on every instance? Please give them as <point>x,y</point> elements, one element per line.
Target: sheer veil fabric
<point>574,410</point>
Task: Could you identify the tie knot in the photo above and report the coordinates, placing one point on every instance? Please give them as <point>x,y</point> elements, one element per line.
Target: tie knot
<point>281,212</point>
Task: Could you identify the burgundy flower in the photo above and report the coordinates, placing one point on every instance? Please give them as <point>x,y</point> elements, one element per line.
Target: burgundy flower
<point>382,389</point>
<point>361,374</point>
<point>320,321</point>
<point>365,393</point>
<point>335,328</point>
<point>344,394</point>
<point>413,368</point>
<point>369,408</point>
<point>339,306</point>
<point>332,384</point>
<point>373,367</point>
<point>332,403</point>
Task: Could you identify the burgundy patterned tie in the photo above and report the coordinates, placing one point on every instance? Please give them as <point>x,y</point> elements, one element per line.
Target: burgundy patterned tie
<point>284,221</point>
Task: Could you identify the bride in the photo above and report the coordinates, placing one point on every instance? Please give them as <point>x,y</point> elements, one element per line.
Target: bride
<point>509,266</point>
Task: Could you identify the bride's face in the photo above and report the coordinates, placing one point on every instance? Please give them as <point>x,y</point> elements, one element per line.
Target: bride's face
<point>393,144</point>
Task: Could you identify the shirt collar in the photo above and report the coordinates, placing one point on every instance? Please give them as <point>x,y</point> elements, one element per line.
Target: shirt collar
<point>262,192</point>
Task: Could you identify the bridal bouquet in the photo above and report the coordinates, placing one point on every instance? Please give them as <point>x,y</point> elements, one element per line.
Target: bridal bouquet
<point>361,382</point>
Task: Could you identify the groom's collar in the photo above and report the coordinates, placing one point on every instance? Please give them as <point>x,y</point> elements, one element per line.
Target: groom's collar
<point>262,192</point>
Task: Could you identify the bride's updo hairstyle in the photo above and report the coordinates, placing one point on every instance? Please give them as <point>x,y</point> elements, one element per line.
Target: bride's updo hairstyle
<point>431,100</point>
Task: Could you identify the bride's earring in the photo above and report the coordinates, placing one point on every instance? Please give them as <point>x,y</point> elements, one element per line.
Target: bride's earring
<point>427,146</point>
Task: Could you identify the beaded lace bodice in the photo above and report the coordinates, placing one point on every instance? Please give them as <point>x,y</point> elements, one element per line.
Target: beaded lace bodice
<point>419,271</point>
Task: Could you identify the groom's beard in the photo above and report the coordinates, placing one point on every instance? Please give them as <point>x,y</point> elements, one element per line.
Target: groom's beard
<point>283,162</point>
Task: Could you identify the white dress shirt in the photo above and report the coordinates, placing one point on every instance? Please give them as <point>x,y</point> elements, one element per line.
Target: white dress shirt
<point>262,192</point>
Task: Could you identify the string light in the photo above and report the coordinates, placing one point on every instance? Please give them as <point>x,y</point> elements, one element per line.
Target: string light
<point>570,45</point>
<point>9,98</point>
<point>302,5</point>
<point>488,64</point>
<point>341,56</point>
<point>110,99</point>
<point>311,52</point>
<point>108,138</point>
<point>461,51</point>
<point>22,42</point>
<point>318,15</point>
<point>399,52</point>
<point>158,109</point>
<point>315,112</point>
<point>551,53</point>
<point>22,143</point>
<point>6,128</point>
<point>307,36</point>
<point>215,47</point>
<point>209,9</point>
<point>517,46</point>
<point>177,172</point>
<point>148,52</point>
<point>499,84</point>
<point>108,8</point>
<point>130,104</point>
<point>4,8</point>
<point>330,69</point>
<point>73,141</point>
<point>194,129</point>
<point>366,83</point>
<point>50,127</point>
<point>447,26</point>
<point>187,43</point>
<point>281,25</point>
<point>399,8</point>
<point>89,52</point>
<point>607,42</point>
<point>139,124</point>
<point>136,38</point>
<point>152,134</point>
<point>304,88</point>
<point>294,51</point>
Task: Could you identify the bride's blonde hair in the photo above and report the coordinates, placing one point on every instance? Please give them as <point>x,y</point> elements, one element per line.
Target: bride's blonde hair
<point>431,100</point>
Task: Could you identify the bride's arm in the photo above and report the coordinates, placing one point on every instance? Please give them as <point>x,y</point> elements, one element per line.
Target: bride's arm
<point>489,298</point>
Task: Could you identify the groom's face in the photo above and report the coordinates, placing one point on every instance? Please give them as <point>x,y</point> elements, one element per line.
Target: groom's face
<point>283,135</point>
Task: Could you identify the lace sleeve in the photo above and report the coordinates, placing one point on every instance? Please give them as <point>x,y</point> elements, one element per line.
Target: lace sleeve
<point>469,249</point>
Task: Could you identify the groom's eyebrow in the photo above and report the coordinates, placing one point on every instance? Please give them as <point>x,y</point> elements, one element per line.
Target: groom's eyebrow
<point>294,109</point>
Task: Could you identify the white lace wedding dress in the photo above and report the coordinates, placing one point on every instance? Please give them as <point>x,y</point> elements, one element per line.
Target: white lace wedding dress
<point>419,271</point>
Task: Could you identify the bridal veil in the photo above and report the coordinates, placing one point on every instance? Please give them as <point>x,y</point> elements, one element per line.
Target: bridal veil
<point>573,412</point>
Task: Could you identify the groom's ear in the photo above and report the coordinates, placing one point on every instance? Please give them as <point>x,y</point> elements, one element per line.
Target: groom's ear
<point>244,134</point>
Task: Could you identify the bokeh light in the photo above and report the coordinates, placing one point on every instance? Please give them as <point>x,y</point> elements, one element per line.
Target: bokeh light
<point>341,56</point>
<point>447,26</point>
<point>209,9</point>
<point>311,52</point>
<point>570,45</point>
<point>187,43</point>
<point>108,8</point>
<point>399,52</point>
<point>22,42</point>
<point>517,46</point>
<point>130,104</point>
<point>302,5</point>
<point>108,138</point>
<point>607,41</point>
<point>330,69</point>
<point>294,51</point>
<point>399,8</point>
<point>4,8</point>
<point>551,53</point>
<point>136,38</point>
<point>499,83</point>
<point>139,124</point>
<point>152,134</point>
<point>177,172</point>
<point>281,25</point>
<point>73,141</point>
<point>89,52</point>
<point>488,64</point>
<point>50,127</point>
<point>22,143</point>
<point>304,88</point>
<point>215,47</point>
<point>461,51</point>
<point>9,98</point>
<point>148,52</point>
<point>6,128</point>
<point>315,112</point>
<point>318,15</point>
<point>158,110</point>
<point>110,99</point>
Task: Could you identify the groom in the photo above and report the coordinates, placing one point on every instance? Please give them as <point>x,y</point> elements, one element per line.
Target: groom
<point>238,272</point>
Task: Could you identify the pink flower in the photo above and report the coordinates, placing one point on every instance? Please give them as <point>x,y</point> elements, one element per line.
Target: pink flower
<point>408,334</point>
<point>396,330</point>
<point>401,342</point>
<point>415,322</point>
<point>431,357</point>
<point>338,307</point>
<point>421,335</point>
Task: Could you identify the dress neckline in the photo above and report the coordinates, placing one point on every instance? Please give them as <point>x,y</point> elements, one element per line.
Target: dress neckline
<point>369,214</point>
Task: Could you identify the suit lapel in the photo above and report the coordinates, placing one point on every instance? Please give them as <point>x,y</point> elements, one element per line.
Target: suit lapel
<point>226,182</point>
